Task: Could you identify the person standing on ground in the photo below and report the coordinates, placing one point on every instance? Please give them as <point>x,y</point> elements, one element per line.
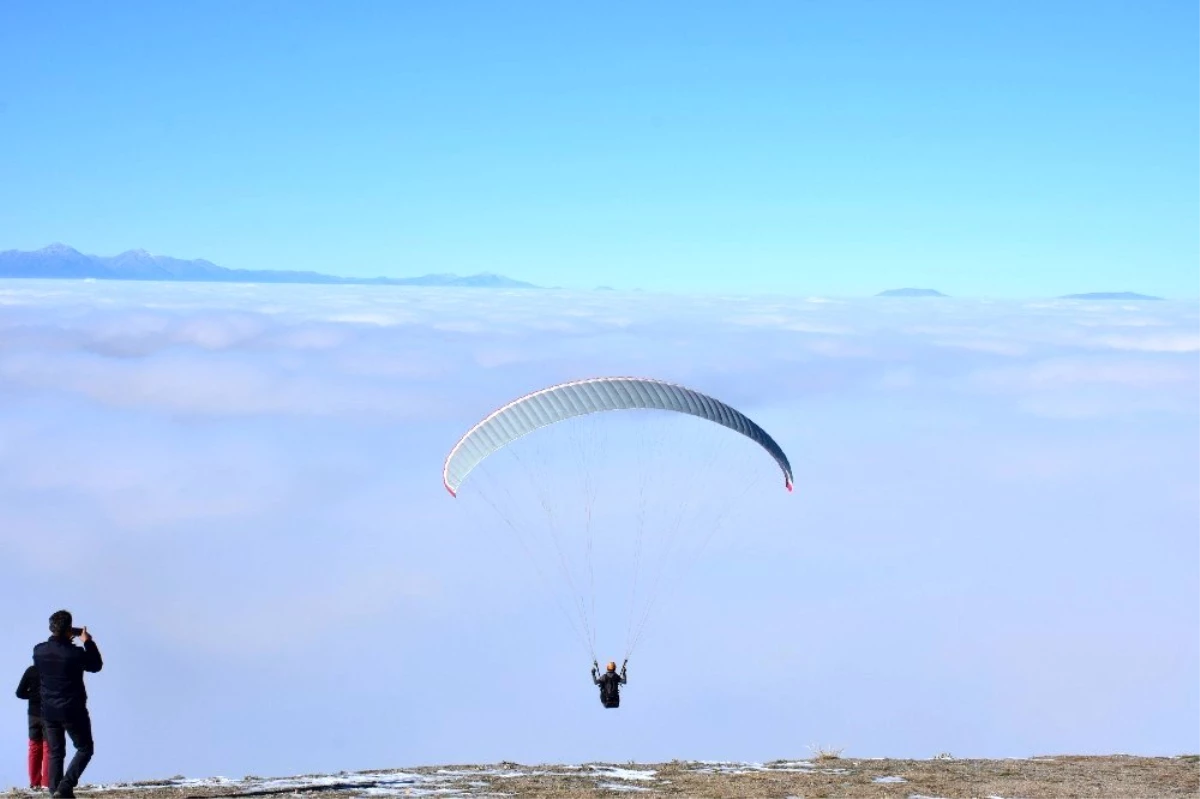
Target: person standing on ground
<point>60,666</point>
<point>38,758</point>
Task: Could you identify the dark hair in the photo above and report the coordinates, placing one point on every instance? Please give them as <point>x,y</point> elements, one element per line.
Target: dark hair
<point>60,623</point>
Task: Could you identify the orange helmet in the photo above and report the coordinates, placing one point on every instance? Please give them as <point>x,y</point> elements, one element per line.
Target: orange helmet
<point>612,666</point>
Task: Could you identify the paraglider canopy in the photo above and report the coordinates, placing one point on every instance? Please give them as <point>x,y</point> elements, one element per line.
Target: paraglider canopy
<point>577,398</point>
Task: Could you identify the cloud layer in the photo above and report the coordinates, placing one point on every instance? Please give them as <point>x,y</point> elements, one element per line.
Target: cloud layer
<point>991,550</point>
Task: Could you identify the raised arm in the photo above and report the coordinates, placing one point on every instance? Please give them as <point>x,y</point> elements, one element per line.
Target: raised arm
<point>91,653</point>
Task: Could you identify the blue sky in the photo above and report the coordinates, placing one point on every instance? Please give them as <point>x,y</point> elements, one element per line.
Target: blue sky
<point>991,549</point>
<point>992,546</point>
<point>1023,149</point>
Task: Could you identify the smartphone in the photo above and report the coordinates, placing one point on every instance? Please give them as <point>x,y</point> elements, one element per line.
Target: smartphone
<point>76,631</point>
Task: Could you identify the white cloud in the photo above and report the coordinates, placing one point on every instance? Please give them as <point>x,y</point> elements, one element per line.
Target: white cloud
<point>219,467</point>
<point>1066,372</point>
<point>1177,342</point>
<point>996,346</point>
<point>318,606</point>
<point>238,350</point>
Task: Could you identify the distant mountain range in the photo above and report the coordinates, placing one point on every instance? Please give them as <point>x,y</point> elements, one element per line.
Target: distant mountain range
<point>910,293</point>
<point>1109,295</point>
<point>61,261</point>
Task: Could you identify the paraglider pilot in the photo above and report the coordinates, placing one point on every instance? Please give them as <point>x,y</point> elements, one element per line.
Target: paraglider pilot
<point>610,684</point>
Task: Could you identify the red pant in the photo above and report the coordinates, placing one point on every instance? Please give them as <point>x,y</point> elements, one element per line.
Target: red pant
<point>39,763</point>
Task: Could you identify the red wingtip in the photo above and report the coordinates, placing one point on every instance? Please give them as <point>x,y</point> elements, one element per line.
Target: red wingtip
<point>788,484</point>
<point>451,490</point>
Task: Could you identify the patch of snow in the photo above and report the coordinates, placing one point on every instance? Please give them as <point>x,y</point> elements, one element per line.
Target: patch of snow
<point>173,782</point>
<point>363,779</point>
<point>724,767</point>
<point>889,779</point>
<point>785,764</point>
<point>410,791</point>
<point>616,772</point>
<point>622,787</point>
<point>373,783</point>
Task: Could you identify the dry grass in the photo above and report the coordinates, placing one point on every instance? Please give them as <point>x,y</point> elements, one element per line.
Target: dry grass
<point>826,752</point>
<point>1131,778</point>
<point>1118,777</point>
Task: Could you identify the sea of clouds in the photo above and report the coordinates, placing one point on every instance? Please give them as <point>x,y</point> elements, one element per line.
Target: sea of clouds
<point>991,549</point>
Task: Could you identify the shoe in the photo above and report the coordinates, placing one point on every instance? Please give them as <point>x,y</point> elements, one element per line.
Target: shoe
<point>63,793</point>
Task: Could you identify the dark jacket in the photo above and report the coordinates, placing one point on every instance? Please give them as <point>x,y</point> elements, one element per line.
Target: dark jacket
<point>60,666</point>
<point>610,687</point>
<point>30,688</point>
